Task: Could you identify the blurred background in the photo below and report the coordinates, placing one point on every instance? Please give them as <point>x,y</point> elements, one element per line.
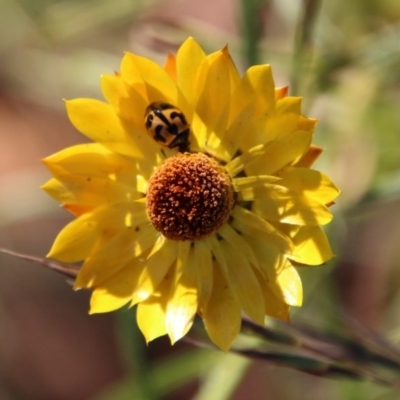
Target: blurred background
<point>342,57</point>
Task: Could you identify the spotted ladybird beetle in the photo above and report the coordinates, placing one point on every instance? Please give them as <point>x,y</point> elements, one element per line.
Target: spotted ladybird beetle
<point>167,125</point>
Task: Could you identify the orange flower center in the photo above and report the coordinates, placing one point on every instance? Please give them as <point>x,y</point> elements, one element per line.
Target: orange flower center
<point>189,197</point>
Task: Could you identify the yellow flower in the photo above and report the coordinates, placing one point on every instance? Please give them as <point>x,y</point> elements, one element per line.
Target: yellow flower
<point>197,196</point>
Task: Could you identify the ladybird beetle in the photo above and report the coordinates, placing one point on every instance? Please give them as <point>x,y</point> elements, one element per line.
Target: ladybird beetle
<point>167,125</point>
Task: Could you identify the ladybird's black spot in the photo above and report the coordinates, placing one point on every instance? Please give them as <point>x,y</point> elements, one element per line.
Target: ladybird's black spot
<point>183,119</point>
<point>149,121</point>
<point>158,136</point>
<point>89,179</point>
<point>176,114</point>
<point>173,130</point>
<point>163,106</point>
<point>137,229</point>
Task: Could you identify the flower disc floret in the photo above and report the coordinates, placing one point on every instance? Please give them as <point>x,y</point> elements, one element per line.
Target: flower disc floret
<point>189,197</point>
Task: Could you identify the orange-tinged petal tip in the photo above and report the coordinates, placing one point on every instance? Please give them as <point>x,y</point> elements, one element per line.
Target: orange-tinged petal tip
<point>281,92</point>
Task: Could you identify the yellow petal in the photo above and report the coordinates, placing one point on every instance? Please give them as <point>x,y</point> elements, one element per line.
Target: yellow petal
<point>215,96</point>
<point>289,282</point>
<point>267,159</point>
<point>279,121</point>
<point>302,203</point>
<point>105,221</point>
<point>99,122</point>
<point>129,104</point>
<point>218,253</point>
<point>158,85</point>
<point>158,263</point>
<point>241,185</point>
<point>222,315</point>
<point>202,263</point>
<point>115,91</point>
<point>276,203</point>
<point>229,66</point>
<point>199,133</point>
<point>312,184</point>
<point>183,301</point>
<point>306,124</point>
<point>58,191</point>
<point>116,291</point>
<point>103,301</point>
<point>280,152</point>
<point>236,241</point>
<point>111,255</point>
<point>150,314</point>
<point>237,131</point>
<point>238,164</point>
<point>257,88</point>
<point>150,317</point>
<point>244,283</point>
<point>270,260</point>
<point>231,70</point>
<point>311,246</point>
<point>285,117</point>
<point>274,307</point>
<point>92,160</point>
<point>91,175</point>
<point>252,105</point>
<point>75,241</point>
<point>253,225</point>
<point>88,190</point>
<point>189,58</point>
<point>282,278</point>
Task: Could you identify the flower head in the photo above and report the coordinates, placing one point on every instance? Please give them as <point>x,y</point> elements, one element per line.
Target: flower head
<point>196,196</point>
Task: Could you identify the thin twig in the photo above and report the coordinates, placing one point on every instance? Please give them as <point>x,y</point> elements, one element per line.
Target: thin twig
<point>67,270</point>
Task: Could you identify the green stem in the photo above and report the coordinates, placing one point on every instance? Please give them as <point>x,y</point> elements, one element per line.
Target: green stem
<point>135,355</point>
<point>303,41</point>
<point>252,28</point>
